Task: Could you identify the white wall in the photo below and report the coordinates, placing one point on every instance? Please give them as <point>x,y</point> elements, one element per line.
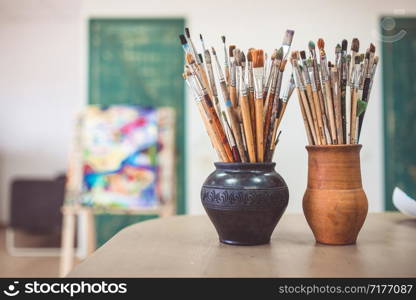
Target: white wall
<point>43,75</point>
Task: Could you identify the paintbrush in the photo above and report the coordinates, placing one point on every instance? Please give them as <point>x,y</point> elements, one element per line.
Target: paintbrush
<point>245,110</point>
<point>366,87</point>
<point>226,61</point>
<point>355,47</point>
<point>216,143</point>
<point>300,86</point>
<point>308,88</point>
<point>212,115</point>
<point>287,42</point>
<point>276,123</point>
<point>328,92</point>
<point>258,67</point>
<point>250,83</point>
<point>316,104</point>
<point>231,139</point>
<point>268,106</point>
<point>233,79</point>
<point>344,73</point>
<point>354,99</point>
<point>211,78</point>
<point>321,98</point>
<point>336,96</point>
<point>235,126</point>
<point>198,60</point>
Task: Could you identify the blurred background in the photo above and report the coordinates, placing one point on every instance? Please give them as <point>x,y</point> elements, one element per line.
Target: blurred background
<point>58,56</point>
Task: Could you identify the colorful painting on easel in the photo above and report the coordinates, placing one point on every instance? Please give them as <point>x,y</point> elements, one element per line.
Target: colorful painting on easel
<point>119,157</point>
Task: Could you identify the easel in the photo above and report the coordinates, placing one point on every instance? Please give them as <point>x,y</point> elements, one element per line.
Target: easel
<point>74,213</point>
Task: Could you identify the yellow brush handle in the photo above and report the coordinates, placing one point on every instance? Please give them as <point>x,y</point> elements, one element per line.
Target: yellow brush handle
<point>259,129</point>
<point>219,148</point>
<point>353,123</point>
<point>233,96</point>
<point>245,111</point>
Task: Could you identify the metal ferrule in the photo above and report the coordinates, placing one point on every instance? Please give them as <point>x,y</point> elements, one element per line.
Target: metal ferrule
<point>226,62</point>
<point>243,87</point>
<point>288,90</point>
<point>356,78</point>
<point>250,77</point>
<point>311,75</point>
<point>306,74</point>
<point>219,69</point>
<point>273,83</point>
<point>258,82</point>
<point>324,69</point>
<point>233,75</point>
<point>298,82</point>
<point>212,80</point>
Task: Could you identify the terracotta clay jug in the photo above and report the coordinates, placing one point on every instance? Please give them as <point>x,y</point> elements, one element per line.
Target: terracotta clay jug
<point>335,204</point>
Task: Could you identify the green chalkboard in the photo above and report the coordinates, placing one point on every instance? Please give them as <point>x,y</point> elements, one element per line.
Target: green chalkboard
<point>399,95</point>
<point>139,62</point>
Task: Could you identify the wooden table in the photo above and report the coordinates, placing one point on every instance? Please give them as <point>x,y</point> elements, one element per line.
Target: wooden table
<point>187,246</point>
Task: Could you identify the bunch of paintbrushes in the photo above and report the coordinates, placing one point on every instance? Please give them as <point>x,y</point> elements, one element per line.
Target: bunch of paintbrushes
<point>333,96</point>
<point>251,90</point>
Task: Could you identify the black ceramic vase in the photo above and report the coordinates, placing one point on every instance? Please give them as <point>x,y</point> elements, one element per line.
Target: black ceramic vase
<point>244,201</point>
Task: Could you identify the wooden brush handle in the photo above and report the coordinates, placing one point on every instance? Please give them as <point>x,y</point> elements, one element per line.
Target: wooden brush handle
<point>251,101</point>
<point>248,130</point>
<point>259,129</point>
<point>217,126</point>
<point>305,121</point>
<point>344,109</point>
<point>330,107</point>
<point>353,123</point>
<point>235,127</point>
<point>204,78</point>
<point>313,111</point>
<point>366,91</point>
<point>308,116</point>
<point>227,75</point>
<point>321,129</point>
<point>233,96</point>
<point>214,140</point>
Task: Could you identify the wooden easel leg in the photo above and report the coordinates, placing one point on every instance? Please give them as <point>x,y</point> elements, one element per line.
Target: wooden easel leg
<point>67,244</point>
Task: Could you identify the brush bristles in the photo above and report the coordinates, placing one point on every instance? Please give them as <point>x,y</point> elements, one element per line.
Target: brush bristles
<point>188,35</point>
<point>372,48</point>
<point>355,45</point>
<point>223,38</point>
<point>321,44</point>
<point>287,40</point>
<point>183,39</point>
<point>200,37</point>
<point>344,45</point>
<point>302,55</point>
<point>338,48</point>
<point>237,56</point>
<point>213,51</point>
<point>311,45</point>
<point>258,58</point>
<point>200,57</point>
<point>231,50</point>
<point>250,54</point>
<point>243,58</point>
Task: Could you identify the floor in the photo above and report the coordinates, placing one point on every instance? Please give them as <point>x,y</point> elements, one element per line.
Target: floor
<point>12,266</point>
